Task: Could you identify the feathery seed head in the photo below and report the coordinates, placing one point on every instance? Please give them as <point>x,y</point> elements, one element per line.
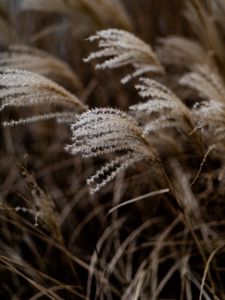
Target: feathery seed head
<point>121,48</point>
<point>38,61</point>
<point>180,52</point>
<point>206,81</point>
<point>167,108</point>
<point>24,88</point>
<point>106,131</point>
<point>210,118</point>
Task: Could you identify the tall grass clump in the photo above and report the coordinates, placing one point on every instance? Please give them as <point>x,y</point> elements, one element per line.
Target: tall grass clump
<point>112,188</point>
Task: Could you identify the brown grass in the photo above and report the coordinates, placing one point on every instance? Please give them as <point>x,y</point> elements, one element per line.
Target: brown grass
<point>137,211</point>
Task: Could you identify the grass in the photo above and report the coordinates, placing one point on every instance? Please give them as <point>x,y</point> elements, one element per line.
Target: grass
<point>112,149</point>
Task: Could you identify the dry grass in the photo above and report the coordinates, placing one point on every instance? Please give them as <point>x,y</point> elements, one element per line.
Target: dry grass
<point>149,223</point>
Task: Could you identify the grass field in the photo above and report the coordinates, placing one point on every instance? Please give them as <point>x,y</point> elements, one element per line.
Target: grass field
<point>112,177</point>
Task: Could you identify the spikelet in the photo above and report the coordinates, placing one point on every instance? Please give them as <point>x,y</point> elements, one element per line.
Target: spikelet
<point>105,131</point>
<point>22,88</point>
<point>180,51</point>
<point>163,107</point>
<point>38,61</point>
<point>206,81</point>
<point>121,48</point>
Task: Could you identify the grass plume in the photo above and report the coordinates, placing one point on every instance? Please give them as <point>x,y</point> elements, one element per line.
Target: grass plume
<point>22,88</point>
<point>121,48</point>
<point>104,131</point>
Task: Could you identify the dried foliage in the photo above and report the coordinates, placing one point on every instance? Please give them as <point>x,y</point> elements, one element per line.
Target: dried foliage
<point>203,24</point>
<point>179,52</point>
<point>218,9</point>
<point>42,208</point>
<point>7,30</point>
<point>156,229</point>
<point>100,11</point>
<point>35,60</point>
